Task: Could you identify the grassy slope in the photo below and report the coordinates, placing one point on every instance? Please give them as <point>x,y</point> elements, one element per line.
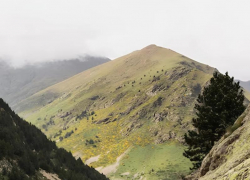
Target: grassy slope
<point>19,83</point>
<point>154,162</point>
<point>132,107</point>
<point>247,94</point>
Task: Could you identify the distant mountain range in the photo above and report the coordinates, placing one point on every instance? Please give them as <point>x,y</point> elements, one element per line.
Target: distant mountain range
<point>245,84</point>
<point>18,84</point>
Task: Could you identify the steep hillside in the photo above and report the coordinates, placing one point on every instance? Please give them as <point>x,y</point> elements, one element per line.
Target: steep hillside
<point>230,157</point>
<point>18,84</point>
<point>126,117</point>
<point>26,153</point>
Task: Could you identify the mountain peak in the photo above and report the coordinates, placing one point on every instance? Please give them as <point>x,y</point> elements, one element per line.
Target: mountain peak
<point>141,94</point>
<point>151,46</point>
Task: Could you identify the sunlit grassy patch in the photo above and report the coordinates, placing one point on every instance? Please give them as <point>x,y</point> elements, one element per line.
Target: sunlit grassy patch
<point>163,161</point>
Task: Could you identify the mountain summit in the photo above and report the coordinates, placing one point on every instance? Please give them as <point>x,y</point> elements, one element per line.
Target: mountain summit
<point>126,117</point>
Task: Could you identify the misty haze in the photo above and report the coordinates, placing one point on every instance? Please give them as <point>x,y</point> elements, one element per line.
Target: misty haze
<point>138,90</point>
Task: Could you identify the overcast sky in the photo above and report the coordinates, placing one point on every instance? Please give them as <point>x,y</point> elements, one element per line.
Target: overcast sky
<point>216,33</point>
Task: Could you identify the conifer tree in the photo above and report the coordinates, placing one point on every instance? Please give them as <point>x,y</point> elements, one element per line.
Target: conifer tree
<point>217,107</point>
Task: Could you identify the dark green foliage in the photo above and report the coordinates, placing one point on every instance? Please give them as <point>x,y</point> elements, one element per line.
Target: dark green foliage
<point>68,134</point>
<point>83,114</point>
<point>158,102</point>
<point>17,174</point>
<point>91,141</point>
<point>94,98</point>
<point>58,134</point>
<point>28,150</point>
<point>156,78</point>
<point>220,104</point>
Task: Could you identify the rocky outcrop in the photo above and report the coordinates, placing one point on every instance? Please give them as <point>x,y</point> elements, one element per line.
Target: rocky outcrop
<point>103,121</point>
<point>179,72</point>
<point>163,137</point>
<point>64,115</point>
<point>230,157</point>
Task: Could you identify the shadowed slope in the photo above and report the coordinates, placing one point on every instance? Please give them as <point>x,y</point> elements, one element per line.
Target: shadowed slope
<point>26,153</point>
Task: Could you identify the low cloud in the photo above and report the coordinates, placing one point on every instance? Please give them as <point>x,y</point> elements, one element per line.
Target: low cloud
<point>214,33</point>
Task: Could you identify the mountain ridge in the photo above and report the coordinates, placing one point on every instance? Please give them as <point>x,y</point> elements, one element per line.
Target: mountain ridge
<point>19,83</point>
<point>245,84</point>
<point>142,101</point>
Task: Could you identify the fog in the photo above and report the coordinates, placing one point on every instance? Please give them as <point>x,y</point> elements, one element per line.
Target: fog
<point>212,32</point>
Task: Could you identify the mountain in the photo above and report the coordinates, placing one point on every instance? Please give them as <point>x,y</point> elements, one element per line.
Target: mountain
<point>230,157</point>
<point>20,83</point>
<point>26,153</point>
<point>126,117</point>
<point>246,87</point>
<point>245,84</point>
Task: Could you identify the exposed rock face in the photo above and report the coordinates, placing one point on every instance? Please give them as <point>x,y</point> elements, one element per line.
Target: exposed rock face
<point>161,138</point>
<point>158,117</point>
<point>230,157</point>
<point>179,73</point>
<point>102,121</point>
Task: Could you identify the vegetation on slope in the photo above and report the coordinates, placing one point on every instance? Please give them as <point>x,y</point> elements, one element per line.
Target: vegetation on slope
<point>154,162</point>
<point>25,151</point>
<point>229,158</point>
<point>143,98</point>
<point>217,107</point>
<point>20,83</point>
